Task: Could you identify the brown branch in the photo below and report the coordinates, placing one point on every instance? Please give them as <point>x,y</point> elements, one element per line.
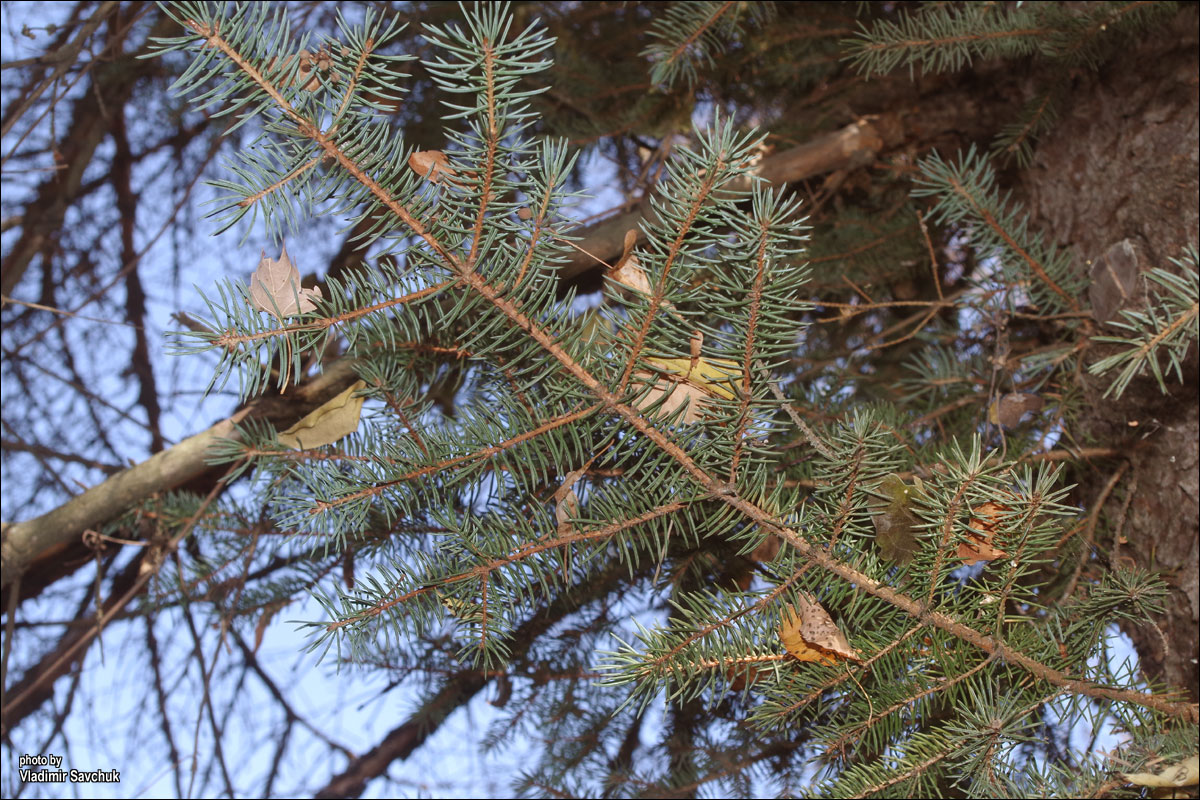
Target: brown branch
<point>458,689</point>
<point>46,213</point>
<point>853,146</point>
<point>23,542</point>
<point>65,57</point>
<point>121,174</point>
<point>37,685</point>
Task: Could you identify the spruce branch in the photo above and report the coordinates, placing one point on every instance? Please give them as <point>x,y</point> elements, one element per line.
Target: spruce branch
<point>1168,326</point>
<point>695,194</point>
<point>560,458</point>
<point>941,37</point>
<point>965,193</point>
<point>689,35</point>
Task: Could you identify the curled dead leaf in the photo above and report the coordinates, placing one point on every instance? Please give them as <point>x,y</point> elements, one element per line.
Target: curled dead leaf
<point>329,422</point>
<point>810,634</point>
<point>264,621</point>
<point>1184,773</point>
<point>696,344</point>
<point>567,502</point>
<point>984,526</point>
<point>627,271</point>
<point>275,287</point>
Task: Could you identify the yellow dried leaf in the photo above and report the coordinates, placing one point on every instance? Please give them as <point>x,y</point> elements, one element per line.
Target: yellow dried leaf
<point>810,634</point>
<point>895,523</point>
<point>716,376</point>
<point>1185,773</point>
<point>689,383</point>
<point>468,612</point>
<point>327,423</point>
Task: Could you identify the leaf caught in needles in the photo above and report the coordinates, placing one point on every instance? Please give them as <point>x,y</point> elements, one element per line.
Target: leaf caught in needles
<point>567,502</point>
<point>433,166</point>
<point>1184,773</point>
<point>275,287</point>
<point>1009,409</point>
<point>810,634</point>
<point>896,524</point>
<point>327,423</point>
<point>627,271</point>
<point>690,382</point>
<point>984,524</point>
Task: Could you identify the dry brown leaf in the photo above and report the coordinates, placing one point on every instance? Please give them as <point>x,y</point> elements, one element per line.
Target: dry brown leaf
<point>567,503</point>
<point>275,287</point>
<point>1009,409</point>
<point>1114,278</point>
<point>674,396</point>
<point>433,166</point>
<point>327,423</point>
<point>312,66</point>
<point>810,634</point>
<point>627,271</point>
<point>741,675</point>
<point>264,621</point>
<point>696,344</point>
<point>985,523</point>
<point>767,549</point>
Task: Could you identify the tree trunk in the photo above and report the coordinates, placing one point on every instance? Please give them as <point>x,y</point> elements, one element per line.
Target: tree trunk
<point>1122,164</point>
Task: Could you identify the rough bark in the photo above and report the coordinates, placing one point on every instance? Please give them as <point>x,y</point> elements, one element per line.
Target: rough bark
<point>1122,164</point>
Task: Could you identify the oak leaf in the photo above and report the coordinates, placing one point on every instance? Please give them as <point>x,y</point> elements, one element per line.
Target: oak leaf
<point>810,634</point>
<point>275,287</point>
<point>327,423</point>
